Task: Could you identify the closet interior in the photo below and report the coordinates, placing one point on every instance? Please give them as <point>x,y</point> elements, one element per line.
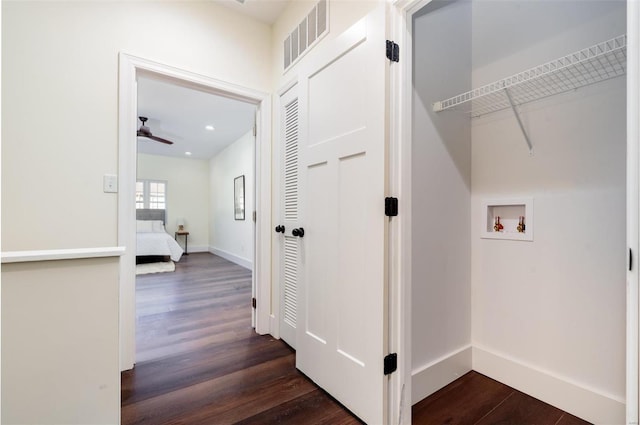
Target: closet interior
<point>519,199</point>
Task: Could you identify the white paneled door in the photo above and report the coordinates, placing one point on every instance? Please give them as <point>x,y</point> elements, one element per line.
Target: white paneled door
<point>341,313</point>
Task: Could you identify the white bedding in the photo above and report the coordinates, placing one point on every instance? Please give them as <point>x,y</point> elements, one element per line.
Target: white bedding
<point>159,243</point>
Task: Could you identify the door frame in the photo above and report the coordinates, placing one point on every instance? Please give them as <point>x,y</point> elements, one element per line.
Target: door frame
<point>130,67</point>
<point>400,314</point>
<point>400,162</point>
<point>633,208</point>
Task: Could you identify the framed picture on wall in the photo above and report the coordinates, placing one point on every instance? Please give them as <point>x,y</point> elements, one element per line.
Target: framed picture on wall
<point>238,198</point>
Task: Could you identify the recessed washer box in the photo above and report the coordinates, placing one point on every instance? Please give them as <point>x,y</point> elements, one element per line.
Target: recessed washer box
<point>510,211</point>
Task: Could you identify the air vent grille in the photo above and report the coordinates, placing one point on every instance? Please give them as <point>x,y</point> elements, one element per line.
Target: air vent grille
<point>294,46</point>
<point>306,33</point>
<point>302,31</point>
<point>287,50</point>
<point>312,30</point>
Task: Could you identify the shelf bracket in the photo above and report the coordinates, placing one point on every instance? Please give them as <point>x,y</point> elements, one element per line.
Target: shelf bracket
<point>515,112</point>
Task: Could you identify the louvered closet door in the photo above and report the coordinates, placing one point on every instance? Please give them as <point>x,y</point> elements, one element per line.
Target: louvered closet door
<point>289,270</point>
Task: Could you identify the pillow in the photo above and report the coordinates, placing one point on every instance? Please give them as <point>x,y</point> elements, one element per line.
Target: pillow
<point>144,226</point>
<point>157,226</point>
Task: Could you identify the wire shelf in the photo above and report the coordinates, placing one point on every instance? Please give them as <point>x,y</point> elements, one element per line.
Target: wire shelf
<point>594,64</point>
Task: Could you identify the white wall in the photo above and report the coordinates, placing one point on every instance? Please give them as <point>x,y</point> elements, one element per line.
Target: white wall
<point>60,81</point>
<point>60,343</point>
<point>62,67</point>
<point>187,194</point>
<point>557,304</point>
<point>441,205</point>
<point>230,238</point>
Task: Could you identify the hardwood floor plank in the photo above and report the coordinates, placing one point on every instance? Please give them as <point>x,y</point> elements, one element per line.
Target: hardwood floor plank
<point>157,377</point>
<point>224,399</point>
<point>464,401</point>
<point>314,407</point>
<point>568,419</point>
<point>521,409</point>
<point>180,344</point>
<point>253,402</point>
<point>475,399</point>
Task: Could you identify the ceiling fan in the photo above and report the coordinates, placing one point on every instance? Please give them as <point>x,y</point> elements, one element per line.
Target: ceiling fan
<point>144,131</point>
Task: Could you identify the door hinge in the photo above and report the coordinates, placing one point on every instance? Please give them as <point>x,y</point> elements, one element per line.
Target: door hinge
<point>393,51</point>
<point>391,207</point>
<point>390,363</point>
<point>255,130</point>
<point>253,302</point>
<point>255,216</point>
<point>630,260</point>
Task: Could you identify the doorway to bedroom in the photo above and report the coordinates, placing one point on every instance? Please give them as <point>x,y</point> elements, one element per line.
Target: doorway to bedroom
<point>195,180</point>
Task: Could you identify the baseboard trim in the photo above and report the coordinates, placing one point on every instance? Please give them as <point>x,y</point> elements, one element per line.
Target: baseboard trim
<point>198,248</point>
<point>431,377</point>
<point>247,264</point>
<point>586,403</point>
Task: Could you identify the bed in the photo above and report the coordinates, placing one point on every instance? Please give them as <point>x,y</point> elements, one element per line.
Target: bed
<point>153,243</point>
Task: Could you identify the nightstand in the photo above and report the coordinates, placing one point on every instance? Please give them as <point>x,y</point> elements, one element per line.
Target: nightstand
<point>186,240</point>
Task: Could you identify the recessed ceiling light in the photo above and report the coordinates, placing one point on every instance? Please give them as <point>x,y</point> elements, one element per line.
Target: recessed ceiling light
<point>210,127</point>
<point>188,153</point>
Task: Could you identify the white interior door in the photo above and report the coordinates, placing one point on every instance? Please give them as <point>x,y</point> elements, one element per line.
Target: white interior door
<point>341,327</point>
<point>289,250</point>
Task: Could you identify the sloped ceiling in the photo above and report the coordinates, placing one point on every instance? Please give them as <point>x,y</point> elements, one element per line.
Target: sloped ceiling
<point>181,114</point>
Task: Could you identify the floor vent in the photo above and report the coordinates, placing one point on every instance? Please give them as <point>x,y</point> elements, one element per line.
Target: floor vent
<point>306,33</point>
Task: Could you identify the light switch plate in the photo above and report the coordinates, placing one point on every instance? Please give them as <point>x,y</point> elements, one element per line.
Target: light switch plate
<point>110,183</point>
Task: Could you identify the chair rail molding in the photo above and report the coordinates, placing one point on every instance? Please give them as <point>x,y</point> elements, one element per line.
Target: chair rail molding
<point>60,254</point>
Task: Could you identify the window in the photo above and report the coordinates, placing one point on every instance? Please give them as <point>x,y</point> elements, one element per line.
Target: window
<point>151,194</point>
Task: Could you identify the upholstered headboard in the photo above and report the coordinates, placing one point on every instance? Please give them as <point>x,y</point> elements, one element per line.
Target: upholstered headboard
<point>148,214</point>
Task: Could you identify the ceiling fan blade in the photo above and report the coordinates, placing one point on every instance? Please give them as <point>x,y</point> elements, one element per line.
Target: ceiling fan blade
<point>159,139</point>
<point>145,131</point>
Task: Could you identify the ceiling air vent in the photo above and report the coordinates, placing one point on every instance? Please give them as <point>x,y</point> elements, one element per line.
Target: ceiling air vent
<point>306,34</point>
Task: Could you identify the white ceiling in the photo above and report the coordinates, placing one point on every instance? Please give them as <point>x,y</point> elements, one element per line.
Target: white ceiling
<point>528,23</point>
<point>266,11</point>
<point>180,114</point>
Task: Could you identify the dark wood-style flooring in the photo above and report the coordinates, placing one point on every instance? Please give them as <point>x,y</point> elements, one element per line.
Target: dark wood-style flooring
<point>475,399</point>
<point>200,362</point>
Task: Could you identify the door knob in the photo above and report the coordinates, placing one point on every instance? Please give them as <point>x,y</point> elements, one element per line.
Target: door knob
<point>279,229</point>
<point>298,232</point>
